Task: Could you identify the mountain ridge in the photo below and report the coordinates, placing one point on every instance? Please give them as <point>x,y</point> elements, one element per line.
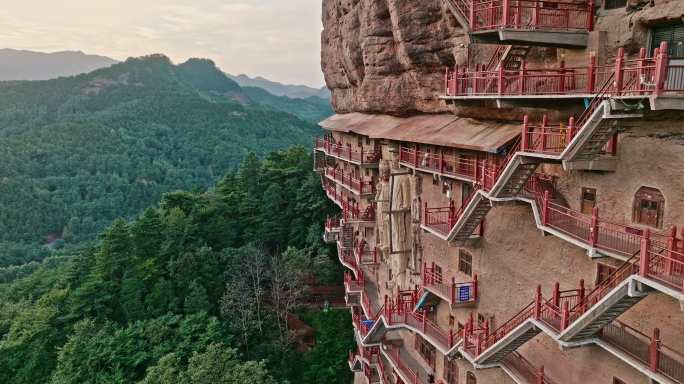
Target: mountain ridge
<point>280,89</point>
<point>18,64</point>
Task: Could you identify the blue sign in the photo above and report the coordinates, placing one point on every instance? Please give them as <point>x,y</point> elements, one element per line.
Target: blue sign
<point>464,293</point>
<point>368,323</point>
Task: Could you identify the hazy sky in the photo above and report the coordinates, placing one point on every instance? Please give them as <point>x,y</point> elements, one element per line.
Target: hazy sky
<point>277,39</point>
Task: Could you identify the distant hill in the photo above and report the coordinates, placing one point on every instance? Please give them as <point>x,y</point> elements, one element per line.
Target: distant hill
<point>313,109</point>
<point>28,65</point>
<point>279,89</point>
<point>79,152</point>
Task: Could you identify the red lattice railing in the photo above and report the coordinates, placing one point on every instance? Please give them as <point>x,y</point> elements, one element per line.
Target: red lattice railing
<point>456,293</point>
<point>393,353</point>
<point>356,185</point>
<point>345,152</point>
<point>625,77</point>
<point>461,166</point>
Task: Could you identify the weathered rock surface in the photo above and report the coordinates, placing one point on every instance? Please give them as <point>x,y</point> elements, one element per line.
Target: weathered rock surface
<point>388,55</point>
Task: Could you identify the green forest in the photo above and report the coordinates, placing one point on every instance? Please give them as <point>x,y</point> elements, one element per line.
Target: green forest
<point>81,151</point>
<point>193,290</point>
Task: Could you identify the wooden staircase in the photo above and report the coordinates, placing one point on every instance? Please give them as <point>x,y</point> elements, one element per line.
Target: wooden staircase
<point>471,218</point>
<point>511,343</point>
<point>520,169</point>
<point>347,236</point>
<point>601,315</point>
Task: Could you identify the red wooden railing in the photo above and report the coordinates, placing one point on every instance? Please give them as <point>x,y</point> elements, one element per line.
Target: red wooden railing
<point>625,77</point>
<point>401,311</point>
<point>664,265</point>
<point>365,253</point>
<point>332,223</point>
<point>345,152</point>
<point>457,293</point>
<point>525,369</point>
<point>350,210</point>
<point>393,353</point>
<point>448,164</point>
<point>356,185</point>
<point>650,350</point>
<point>527,14</point>
<point>354,285</point>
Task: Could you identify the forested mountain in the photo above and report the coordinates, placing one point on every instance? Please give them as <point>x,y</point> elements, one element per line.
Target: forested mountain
<point>79,152</point>
<point>29,65</point>
<point>280,89</point>
<point>194,291</point>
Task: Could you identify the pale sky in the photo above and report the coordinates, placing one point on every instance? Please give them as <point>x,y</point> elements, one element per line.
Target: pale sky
<point>277,39</point>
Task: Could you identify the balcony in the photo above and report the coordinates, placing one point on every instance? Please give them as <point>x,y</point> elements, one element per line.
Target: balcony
<point>532,22</point>
<point>642,77</point>
<point>353,287</point>
<point>362,157</point>
<point>350,209</point>
<point>331,235</point>
<point>365,253</point>
<point>452,292</point>
<point>351,183</point>
<point>407,368</point>
<point>461,167</point>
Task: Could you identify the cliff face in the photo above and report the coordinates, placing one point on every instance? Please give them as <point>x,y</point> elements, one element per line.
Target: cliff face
<point>388,55</point>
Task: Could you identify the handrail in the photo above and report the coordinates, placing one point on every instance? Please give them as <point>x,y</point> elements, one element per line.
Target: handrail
<point>642,76</point>
<point>361,156</point>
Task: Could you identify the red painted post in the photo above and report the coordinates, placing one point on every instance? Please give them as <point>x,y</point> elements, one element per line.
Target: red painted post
<point>640,69</point>
<point>432,278</point>
<point>415,160</point>
<point>524,139</point>
<point>521,79</point>
<point>424,272</point>
<point>506,13</point>
<point>537,303</point>
<point>471,17</point>
<point>654,350</point>
<point>474,293</point>
<point>612,144</point>
<point>362,154</point>
<point>619,74</point>
<point>500,75</point>
<point>545,122</point>
<point>591,74</point>
<point>535,13</point>
<point>545,208</point>
<point>451,337</point>
<point>645,253</point>
<point>556,294</point>
<point>671,242</point>
<point>453,290</point>
<point>571,130</point>
<point>590,15</point>
<point>594,227</point>
<point>565,314</point>
<point>446,82</point>
<point>486,329</point>
<point>424,317</point>
<point>662,63</point>
<point>441,160</point>
<point>561,83</point>
<point>425,213</point>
